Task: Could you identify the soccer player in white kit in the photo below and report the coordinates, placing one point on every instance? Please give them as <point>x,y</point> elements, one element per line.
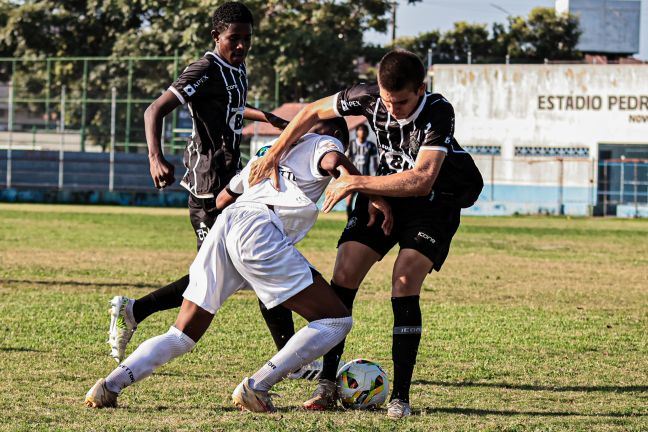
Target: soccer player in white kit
<point>251,245</point>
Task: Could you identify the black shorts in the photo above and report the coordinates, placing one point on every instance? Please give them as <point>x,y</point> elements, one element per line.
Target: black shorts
<point>419,224</point>
<point>202,213</point>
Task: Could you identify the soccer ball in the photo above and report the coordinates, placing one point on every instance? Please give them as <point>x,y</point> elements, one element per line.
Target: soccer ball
<point>362,384</point>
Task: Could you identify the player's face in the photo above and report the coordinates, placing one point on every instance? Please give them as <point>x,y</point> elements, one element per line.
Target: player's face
<point>361,134</point>
<point>234,43</point>
<point>402,103</point>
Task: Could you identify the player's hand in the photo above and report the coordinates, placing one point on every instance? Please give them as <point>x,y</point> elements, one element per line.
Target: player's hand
<point>263,168</point>
<point>379,205</point>
<point>276,121</point>
<point>161,172</point>
<point>338,189</point>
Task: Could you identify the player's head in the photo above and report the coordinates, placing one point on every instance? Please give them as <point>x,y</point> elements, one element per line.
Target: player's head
<point>232,31</point>
<point>400,78</point>
<point>335,127</point>
<point>362,132</point>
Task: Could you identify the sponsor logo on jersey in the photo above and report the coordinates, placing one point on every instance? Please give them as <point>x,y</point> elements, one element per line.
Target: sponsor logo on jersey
<point>202,231</point>
<point>346,105</point>
<point>190,89</point>
<point>287,173</point>
<point>425,236</point>
<point>231,87</point>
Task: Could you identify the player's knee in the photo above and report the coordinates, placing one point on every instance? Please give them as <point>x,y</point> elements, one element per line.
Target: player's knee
<point>403,286</point>
<point>345,277</point>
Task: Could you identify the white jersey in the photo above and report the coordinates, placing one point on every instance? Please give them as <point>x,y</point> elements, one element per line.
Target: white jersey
<point>302,183</point>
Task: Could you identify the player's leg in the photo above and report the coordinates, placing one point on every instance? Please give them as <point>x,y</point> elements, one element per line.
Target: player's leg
<point>127,313</point>
<point>359,248</point>
<point>424,239</point>
<point>191,324</point>
<point>410,270</point>
<point>329,323</point>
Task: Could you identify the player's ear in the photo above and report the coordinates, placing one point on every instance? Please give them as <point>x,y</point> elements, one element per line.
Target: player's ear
<point>421,90</point>
<point>215,34</point>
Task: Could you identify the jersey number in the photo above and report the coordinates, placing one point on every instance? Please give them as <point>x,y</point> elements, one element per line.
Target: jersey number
<point>396,162</point>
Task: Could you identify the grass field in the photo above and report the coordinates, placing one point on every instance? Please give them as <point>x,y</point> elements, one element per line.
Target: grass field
<point>534,323</point>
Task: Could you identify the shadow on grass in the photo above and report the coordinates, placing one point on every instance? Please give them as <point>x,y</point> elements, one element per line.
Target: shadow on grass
<point>77,283</point>
<point>19,349</point>
<point>612,389</point>
<point>484,412</point>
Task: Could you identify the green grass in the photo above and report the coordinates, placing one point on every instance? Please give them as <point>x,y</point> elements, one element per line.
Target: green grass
<point>534,323</point>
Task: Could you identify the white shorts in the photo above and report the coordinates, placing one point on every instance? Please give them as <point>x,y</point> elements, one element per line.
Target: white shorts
<point>247,248</point>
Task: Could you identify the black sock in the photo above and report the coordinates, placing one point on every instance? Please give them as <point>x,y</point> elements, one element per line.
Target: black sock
<point>280,323</point>
<point>332,358</point>
<point>168,297</point>
<point>406,339</point>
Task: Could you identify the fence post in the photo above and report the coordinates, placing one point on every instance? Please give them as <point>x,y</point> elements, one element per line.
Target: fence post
<point>47,93</point>
<point>62,132</point>
<point>113,109</point>
<point>492,178</point>
<point>84,97</point>
<point>622,182</point>
<point>561,177</point>
<point>128,104</point>
<point>10,130</point>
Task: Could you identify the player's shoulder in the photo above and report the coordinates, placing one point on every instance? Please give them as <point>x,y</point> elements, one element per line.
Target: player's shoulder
<point>436,107</point>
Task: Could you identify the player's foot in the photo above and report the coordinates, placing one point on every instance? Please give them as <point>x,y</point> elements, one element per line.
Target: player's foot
<point>397,409</point>
<point>324,397</point>
<point>122,326</point>
<point>100,397</point>
<point>310,371</point>
<point>248,399</point>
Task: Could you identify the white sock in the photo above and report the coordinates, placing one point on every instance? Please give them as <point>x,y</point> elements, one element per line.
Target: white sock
<point>309,343</point>
<point>150,355</point>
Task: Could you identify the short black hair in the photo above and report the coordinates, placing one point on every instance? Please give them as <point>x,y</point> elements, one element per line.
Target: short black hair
<point>231,12</point>
<point>400,69</point>
<point>331,126</point>
<point>363,126</point>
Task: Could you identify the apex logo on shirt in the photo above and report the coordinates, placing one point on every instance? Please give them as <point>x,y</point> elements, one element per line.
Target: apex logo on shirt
<point>190,89</point>
<point>346,105</point>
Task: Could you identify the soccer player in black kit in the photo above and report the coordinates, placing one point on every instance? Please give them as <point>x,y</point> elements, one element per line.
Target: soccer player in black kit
<point>215,90</point>
<point>427,178</point>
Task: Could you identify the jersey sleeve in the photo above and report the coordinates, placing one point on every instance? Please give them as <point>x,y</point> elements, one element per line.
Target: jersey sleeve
<point>439,130</point>
<point>352,100</point>
<point>236,185</point>
<point>189,84</point>
<point>324,146</point>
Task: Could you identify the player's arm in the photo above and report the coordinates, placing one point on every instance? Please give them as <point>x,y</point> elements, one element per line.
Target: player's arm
<point>268,166</point>
<point>415,182</point>
<point>337,164</point>
<point>225,198</point>
<point>255,114</point>
<point>161,170</point>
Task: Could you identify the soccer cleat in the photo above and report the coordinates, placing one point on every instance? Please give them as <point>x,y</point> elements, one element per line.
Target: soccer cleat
<point>248,399</point>
<point>100,397</point>
<point>122,326</point>
<point>310,371</point>
<point>397,409</point>
<point>324,397</point>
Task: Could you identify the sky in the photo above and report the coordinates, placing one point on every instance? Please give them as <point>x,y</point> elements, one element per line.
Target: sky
<point>441,14</point>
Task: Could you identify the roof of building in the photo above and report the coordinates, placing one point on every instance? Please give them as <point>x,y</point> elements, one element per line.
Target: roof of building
<point>288,111</point>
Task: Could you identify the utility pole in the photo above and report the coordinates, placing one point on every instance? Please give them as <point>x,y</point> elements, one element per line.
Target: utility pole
<point>393,21</point>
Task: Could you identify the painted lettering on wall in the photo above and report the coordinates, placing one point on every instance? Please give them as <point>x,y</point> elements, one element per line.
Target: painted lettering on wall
<point>592,103</point>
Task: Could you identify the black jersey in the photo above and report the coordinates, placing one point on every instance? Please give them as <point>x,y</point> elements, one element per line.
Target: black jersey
<point>215,93</point>
<point>399,141</point>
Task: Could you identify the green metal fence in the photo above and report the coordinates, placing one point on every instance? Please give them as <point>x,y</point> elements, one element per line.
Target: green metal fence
<point>44,98</point>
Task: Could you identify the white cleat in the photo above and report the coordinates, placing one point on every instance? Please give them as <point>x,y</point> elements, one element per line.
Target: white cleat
<point>398,409</point>
<point>122,326</point>
<point>248,399</point>
<point>100,397</point>
<point>310,371</point>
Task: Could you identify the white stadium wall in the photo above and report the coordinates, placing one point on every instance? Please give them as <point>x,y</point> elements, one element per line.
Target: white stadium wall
<point>536,130</point>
